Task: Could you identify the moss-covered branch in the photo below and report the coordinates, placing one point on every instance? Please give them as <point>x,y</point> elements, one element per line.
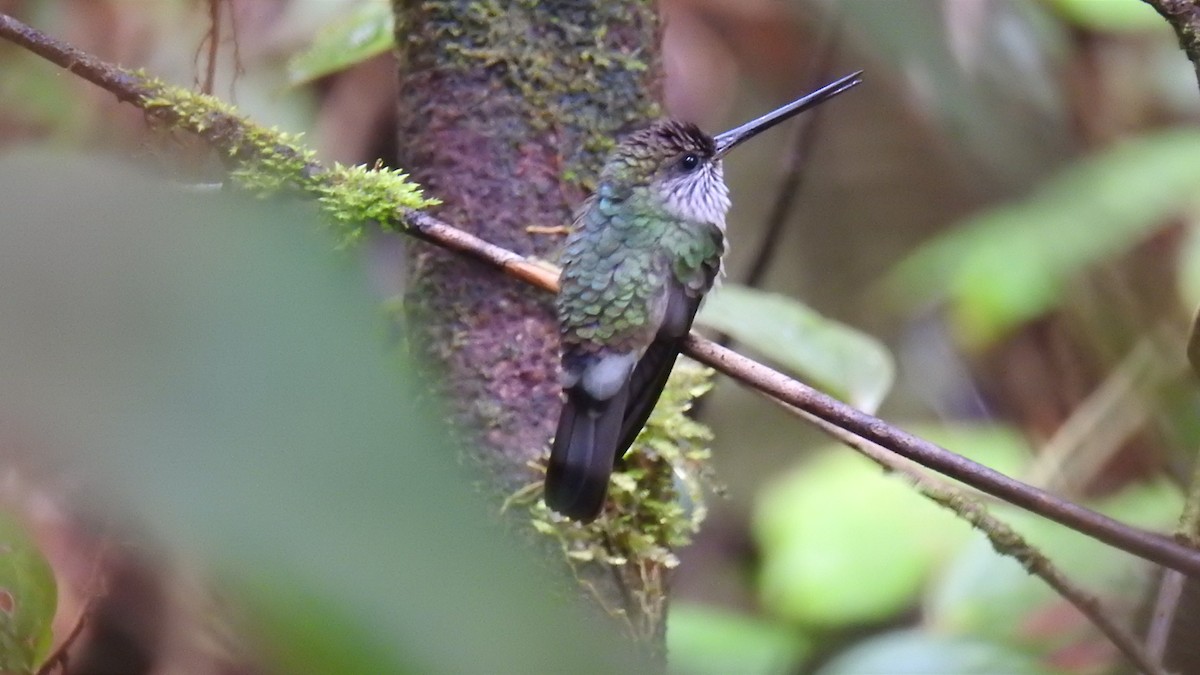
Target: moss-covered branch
<point>261,160</point>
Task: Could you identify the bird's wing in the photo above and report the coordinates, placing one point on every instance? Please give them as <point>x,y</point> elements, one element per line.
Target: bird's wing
<point>652,370</point>
<point>608,400</point>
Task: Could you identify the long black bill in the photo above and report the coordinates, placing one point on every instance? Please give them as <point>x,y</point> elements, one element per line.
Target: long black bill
<point>730,139</point>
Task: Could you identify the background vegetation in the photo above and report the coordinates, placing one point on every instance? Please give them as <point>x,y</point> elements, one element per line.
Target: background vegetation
<point>993,242</point>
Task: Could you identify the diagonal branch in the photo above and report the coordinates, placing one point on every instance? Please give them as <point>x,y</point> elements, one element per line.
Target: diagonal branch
<point>775,385</point>
<point>1003,538</point>
<point>1142,543</point>
<point>1184,17</point>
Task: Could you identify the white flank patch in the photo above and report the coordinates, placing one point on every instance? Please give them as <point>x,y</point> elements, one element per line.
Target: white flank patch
<point>604,378</point>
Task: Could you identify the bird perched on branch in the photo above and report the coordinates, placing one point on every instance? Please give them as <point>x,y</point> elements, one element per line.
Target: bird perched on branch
<point>644,250</point>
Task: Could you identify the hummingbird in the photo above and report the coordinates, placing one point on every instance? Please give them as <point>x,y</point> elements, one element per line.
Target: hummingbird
<point>645,248</point>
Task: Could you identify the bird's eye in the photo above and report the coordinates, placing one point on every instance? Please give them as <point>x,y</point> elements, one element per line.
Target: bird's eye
<point>689,161</point>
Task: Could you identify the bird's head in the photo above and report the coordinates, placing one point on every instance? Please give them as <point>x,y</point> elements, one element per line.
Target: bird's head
<point>680,166</point>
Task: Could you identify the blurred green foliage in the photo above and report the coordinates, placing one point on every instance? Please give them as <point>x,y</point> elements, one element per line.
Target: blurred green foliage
<point>212,369</point>
<point>814,573</point>
<point>987,596</point>
<point>1189,264</point>
<point>921,653</point>
<point>844,545</point>
<point>1109,15</point>
<point>364,31</point>
<point>1010,264</point>
<point>36,95</point>
<point>28,596</point>
<point>706,641</point>
<point>831,355</point>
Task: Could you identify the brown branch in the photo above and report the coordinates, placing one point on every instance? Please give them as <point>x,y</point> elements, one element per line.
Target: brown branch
<point>1142,543</point>
<point>1003,538</point>
<point>1162,617</point>
<point>222,130</point>
<point>214,45</point>
<point>1184,17</point>
<point>775,385</point>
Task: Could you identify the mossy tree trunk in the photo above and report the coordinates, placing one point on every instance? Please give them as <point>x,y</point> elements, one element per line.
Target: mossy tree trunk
<point>506,110</point>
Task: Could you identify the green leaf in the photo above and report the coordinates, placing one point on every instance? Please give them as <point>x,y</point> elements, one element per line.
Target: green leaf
<point>28,597</point>
<point>835,357</point>
<point>364,32</point>
<point>920,653</point>
<point>37,95</point>
<point>1123,16</point>
<point>844,543</point>
<point>209,364</point>
<point>1011,264</point>
<point>702,640</point>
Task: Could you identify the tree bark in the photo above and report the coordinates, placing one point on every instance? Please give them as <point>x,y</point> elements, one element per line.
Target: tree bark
<point>506,110</point>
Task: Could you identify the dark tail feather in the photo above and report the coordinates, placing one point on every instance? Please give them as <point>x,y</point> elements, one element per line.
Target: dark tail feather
<point>584,450</point>
<point>646,386</point>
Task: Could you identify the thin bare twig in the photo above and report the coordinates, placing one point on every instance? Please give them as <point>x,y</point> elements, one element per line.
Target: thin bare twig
<point>775,385</point>
<point>214,45</point>
<point>1099,425</point>
<point>1166,602</point>
<point>797,162</point>
<point>1172,585</point>
<point>1003,538</point>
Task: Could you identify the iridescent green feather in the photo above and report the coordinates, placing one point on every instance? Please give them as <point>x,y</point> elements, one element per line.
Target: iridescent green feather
<point>616,264</point>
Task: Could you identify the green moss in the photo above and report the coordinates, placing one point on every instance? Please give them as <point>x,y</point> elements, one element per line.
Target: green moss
<point>269,161</point>
<point>566,61</point>
<point>355,195</point>
<point>645,517</point>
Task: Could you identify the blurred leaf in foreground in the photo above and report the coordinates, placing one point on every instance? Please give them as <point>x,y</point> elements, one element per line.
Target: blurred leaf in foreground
<point>833,356</point>
<point>28,596</point>
<point>213,369</point>
<point>1011,264</point>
